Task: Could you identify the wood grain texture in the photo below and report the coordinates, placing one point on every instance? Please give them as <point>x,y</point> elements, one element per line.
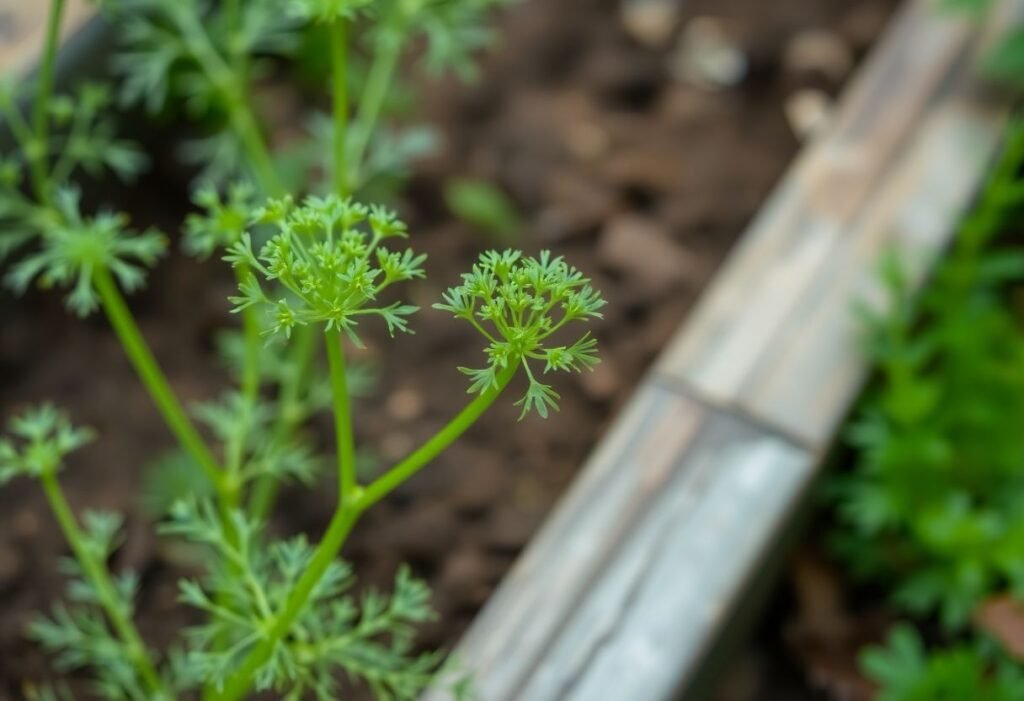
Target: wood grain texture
<point>23,28</point>
<point>632,583</point>
<point>604,586</point>
<point>774,336</point>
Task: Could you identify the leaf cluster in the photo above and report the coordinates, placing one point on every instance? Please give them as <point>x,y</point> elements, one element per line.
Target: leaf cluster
<point>326,254</point>
<point>906,671</point>
<point>368,637</point>
<point>40,439</point>
<point>248,426</point>
<point>74,248</point>
<point>933,502</point>
<point>85,137</point>
<point>82,138</point>
<point>518,304</point>
<point>78,634</point>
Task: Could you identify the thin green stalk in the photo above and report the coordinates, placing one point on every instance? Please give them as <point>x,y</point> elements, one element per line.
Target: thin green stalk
<point>106,591</point>
<point>232,89</point>
<point>375,91</point>
<point>241,681</point>
<point>40,110</point>
<point>250,382</point>
<point>348,512</point>
<point>339,66</point>
<point>255,146</point>
<point>233,15</point>
<point>153,378</point>
<point>412,464</point>
<point>342,417</point>
<point>290,414</point>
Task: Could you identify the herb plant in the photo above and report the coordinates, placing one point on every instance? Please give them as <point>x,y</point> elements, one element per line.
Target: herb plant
<point>931,509</point>
<point>906,671</point>
<point>932,505</point>
<point>312,270</point>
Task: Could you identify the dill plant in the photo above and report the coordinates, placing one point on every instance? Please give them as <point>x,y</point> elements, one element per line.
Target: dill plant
<point>312,270</point>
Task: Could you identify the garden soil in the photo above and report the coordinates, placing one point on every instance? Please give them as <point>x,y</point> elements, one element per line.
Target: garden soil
<point>623,149</point>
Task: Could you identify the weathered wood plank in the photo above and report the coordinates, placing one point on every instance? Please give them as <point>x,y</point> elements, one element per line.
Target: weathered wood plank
<point>23,28</point>
<point>634,579</point>
<point>643,626</point>
<point>633,464</point>
<point>774,337</point>
<point>622,591</point>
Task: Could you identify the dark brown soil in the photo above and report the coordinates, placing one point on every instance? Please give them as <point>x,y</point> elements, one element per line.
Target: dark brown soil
<point>640,179</point>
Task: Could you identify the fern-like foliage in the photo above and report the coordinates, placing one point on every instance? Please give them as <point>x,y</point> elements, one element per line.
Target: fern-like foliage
<point>333,267</point>
<point>906,671</point>
<point>518,304</point>
<point>75,247</point>
<point>38,442</point>
<point>368,638</point>
<point>932,506</point>
<point>78,633</point>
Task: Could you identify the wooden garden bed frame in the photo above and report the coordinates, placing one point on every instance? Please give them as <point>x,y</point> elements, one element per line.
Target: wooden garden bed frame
<point>637,584</point>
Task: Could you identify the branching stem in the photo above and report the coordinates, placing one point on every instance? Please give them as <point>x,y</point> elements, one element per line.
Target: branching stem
<point>106,591</point>
<point>339,66</point>
<point>40,110</point>
<point>350,508</point>
<point>153,378</point>
<point>342,417</point>
<point>372,100</point>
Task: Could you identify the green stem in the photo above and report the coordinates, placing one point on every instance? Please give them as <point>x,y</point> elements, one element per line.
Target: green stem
<point>241,681</point>
<point>412,464</point>
<point>250,382</point>
<point>375,91</point>
<point>106,591</point>
<point>342,417</point>
<point>153,378</point>
<point>255,146</point>
<point>339,64</point>
<point>233,17</point>
<point>40,110</point>
<point>348,512</point>
<point>290,413</point>
<point>232,89</point>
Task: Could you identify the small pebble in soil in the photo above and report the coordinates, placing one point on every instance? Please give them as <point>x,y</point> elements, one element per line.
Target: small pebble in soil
<point>587,141</point>
<point>395,445</point>
<point>468,577</point>
<point>651,22</point>
<point>405,404</point>
<point>641,249</point>
<point>808,112</point>
<point>818,52</point>
<point>708,55</point>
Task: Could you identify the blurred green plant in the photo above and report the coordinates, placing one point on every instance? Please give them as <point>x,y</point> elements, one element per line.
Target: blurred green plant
<point>483,206</point>
<point>931,508</point>
<point>905,670</point>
